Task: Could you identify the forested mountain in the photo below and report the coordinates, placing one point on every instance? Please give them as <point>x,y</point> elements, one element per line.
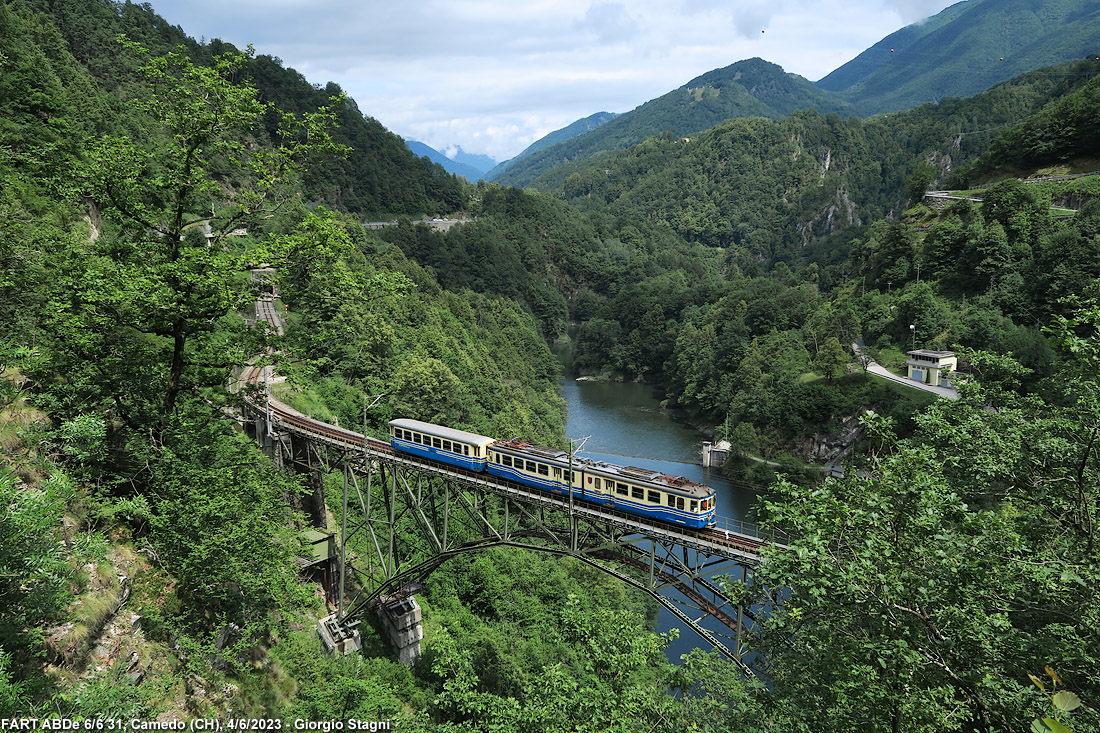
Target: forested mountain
<point>379,176</point>
<point>579,127</point>
<point>965,49</point>
<point>950,583</point>
<point>747,88</point>
<point>825,173</point>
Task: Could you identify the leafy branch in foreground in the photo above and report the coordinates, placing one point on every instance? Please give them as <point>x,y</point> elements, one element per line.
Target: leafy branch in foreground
<point>140,311</point>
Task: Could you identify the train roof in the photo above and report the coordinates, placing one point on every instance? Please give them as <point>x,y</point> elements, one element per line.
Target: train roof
<point>519,445</point>
<point>440,431</point>
<point>680,484</point>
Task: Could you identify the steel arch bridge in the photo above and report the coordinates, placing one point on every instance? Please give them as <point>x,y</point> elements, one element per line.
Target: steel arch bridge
<point>450,511</point>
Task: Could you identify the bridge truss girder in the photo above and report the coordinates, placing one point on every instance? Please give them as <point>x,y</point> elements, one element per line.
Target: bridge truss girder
<point>388,500</point>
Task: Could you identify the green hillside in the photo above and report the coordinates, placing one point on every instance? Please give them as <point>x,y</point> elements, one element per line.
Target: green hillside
<point>965,49</point>
<point>379,177</point>
<point>822,173</point>
<point>751,88</point>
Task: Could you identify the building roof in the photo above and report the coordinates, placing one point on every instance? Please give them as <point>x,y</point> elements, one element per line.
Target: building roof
<point>926,352</point>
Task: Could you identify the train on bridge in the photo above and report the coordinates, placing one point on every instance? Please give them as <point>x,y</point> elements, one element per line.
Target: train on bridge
<point>638,491</point>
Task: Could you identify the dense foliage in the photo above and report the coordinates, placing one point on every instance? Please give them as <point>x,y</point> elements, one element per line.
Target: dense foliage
<point>921,593</point>
<point>954,567</point>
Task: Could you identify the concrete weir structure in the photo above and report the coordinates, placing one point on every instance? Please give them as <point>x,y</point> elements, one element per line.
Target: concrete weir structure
<point>401,619</point>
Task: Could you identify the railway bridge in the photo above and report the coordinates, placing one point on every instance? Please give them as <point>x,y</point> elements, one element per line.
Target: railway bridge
<point>403,516</point>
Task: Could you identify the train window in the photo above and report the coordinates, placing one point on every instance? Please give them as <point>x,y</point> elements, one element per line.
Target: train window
<point>446,445</point>
<point>569,477</point>
<point>465,450</point>
<point>671,500</point>
<point>544,469</point>
<point>694,505</point>
<point>437,443</point>
<point>557,472</point>
<point>418,438</point>
<point>620,489</point>
<point>679,502</point>
<point>531,466</point>
<point>596,484</point>
<point>654,497</point>
<point>636,493</point>
<point>507,460</point>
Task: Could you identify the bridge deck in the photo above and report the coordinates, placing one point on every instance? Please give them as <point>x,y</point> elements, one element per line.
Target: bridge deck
<point>731,539</point>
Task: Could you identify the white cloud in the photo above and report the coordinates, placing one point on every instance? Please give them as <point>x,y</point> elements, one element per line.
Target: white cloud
<point>493,76</point>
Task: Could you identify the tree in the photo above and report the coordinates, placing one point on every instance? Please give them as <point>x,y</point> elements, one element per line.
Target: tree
<point>919,181</point>
<point>221,524</point>
<point>927,587</point>
<point>832,360</point>
<point>33,568</point>
<point>140,309</point>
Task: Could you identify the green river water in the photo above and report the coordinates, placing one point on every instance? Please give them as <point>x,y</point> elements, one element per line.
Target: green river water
<point>627,426</point>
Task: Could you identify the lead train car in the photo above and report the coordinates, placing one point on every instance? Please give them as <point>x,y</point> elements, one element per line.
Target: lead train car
<point>456,447</point>
<point>627,488</point>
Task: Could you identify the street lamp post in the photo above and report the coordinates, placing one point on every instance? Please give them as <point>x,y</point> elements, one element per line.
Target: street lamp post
<point>913,332</point>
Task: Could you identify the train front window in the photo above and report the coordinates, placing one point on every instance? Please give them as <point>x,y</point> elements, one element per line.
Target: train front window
<point>694,505</point>
<point>680,502</point>
<point>671,500</point>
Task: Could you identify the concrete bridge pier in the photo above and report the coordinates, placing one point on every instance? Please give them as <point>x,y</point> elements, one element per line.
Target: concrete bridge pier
<point>401,620</point>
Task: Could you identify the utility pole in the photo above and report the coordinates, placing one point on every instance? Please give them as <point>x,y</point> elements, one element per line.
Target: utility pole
<point>573,448</point>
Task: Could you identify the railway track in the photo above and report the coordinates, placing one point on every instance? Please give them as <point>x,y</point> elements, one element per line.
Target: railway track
<point>743,545</point>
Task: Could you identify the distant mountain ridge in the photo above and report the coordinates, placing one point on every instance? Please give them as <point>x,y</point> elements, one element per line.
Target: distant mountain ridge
<point>458,168</point>
<point>481,163</point>
<point>750,88</point>
<point>961,51</point>
<point>579,127</point>
<point>964,50</point>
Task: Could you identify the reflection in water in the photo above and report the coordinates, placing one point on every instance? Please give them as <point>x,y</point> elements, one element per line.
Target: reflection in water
<point>628,427</point>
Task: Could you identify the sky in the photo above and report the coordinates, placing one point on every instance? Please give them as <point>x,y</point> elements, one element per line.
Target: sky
<point>493,76</point>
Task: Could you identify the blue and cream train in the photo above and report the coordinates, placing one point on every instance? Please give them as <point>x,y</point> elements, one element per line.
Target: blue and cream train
<point>627,488</point>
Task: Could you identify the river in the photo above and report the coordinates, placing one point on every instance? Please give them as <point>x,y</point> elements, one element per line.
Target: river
<point>625,424</point>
